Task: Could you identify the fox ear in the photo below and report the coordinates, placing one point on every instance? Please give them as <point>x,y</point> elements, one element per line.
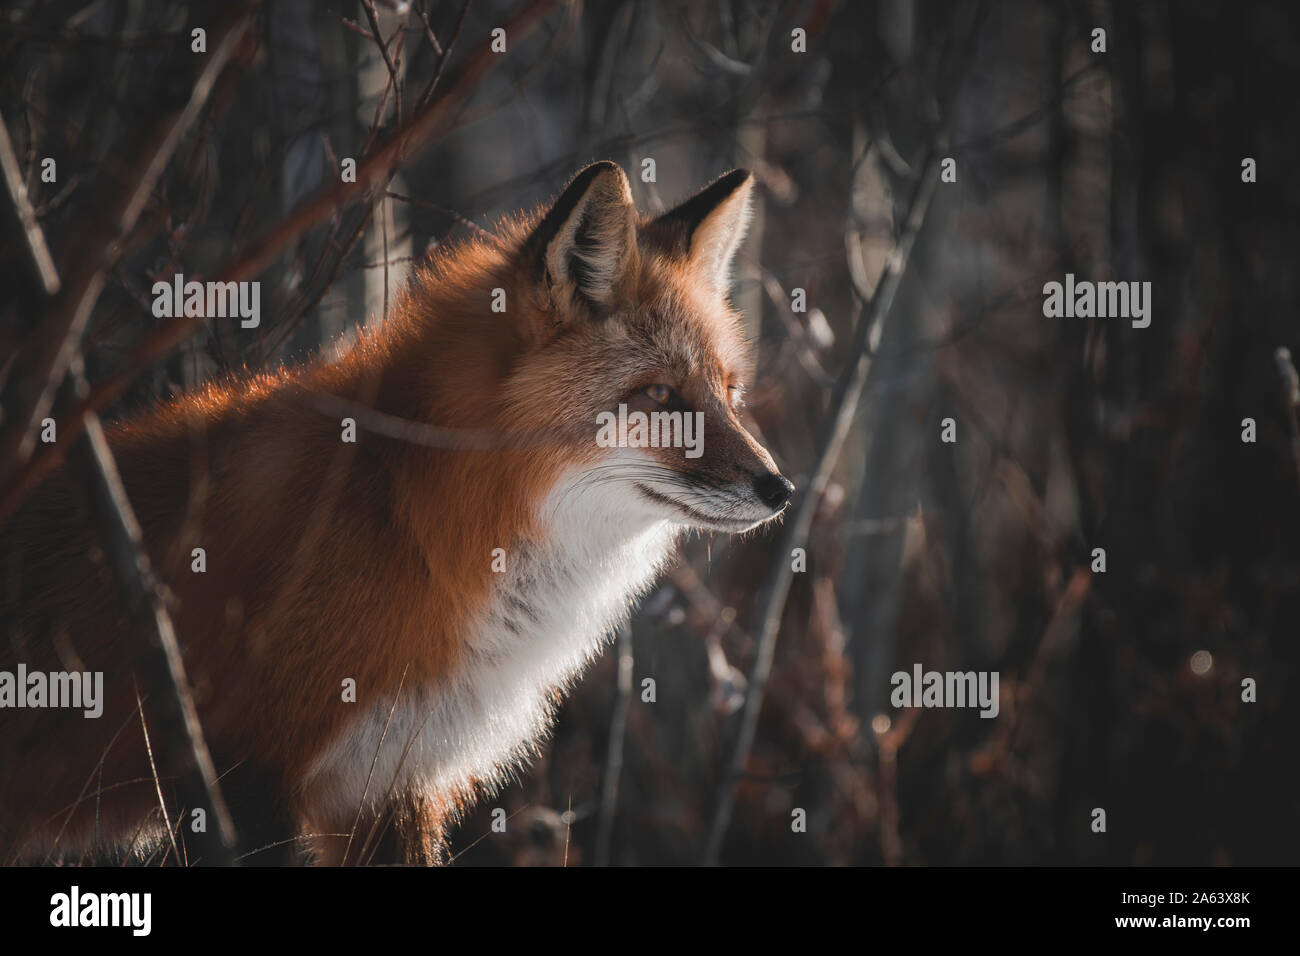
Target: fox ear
<point>708,228</point>
<point>585,244</point>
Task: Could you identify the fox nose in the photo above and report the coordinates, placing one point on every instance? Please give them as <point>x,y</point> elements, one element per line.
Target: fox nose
<point>772,489</point>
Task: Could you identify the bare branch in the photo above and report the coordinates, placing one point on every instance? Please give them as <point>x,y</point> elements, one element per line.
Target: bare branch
<point>432,86</point>
<point>182,745</point>
<point>393,78</point>
<point>31,229</point>
<point>614,758</point>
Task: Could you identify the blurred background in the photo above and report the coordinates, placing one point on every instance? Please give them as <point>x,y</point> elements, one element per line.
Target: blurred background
<point>1120,689</point>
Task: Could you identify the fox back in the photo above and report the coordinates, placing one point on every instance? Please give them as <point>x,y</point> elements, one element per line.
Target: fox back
<point>409,550</point>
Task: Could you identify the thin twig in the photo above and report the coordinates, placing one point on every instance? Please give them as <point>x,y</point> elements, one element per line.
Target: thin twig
<point>568,829</point>
<point>383,232</point>
<point>422,9</point>
<point>614,758</point>
<point>393,78</point>
<point>153,769</point>
<point>355,27</point>
<point>449,213</point>
<point>374,762</point>
<point>432,86</point>
<point>35,239</point>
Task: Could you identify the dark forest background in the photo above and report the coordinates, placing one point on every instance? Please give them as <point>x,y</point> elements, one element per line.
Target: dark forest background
<point>1120,690</point>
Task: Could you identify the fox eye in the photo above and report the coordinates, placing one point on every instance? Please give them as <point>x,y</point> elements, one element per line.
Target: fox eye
<point>659,393</point>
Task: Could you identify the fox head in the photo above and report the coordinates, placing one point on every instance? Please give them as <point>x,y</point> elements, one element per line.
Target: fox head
<point>632,315</point>
<point>614,325</point>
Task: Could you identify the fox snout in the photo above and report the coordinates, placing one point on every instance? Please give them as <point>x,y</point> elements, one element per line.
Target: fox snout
<point>774,490</point>
<point>735,486</point>
<point>740,460</point>
<point>745,469</point>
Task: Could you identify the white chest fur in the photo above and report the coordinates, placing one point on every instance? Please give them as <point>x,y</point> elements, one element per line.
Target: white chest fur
<point>550,614</point>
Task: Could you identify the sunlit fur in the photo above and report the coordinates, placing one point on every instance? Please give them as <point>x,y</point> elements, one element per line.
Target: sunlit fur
<point>373,560</point>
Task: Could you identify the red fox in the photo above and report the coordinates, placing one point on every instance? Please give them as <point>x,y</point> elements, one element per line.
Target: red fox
<point>458,589</point>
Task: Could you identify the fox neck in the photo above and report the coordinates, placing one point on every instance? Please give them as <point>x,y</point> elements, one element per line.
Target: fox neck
<point>571,589</point>
<point>563,590</point>
<point>551,613</point>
